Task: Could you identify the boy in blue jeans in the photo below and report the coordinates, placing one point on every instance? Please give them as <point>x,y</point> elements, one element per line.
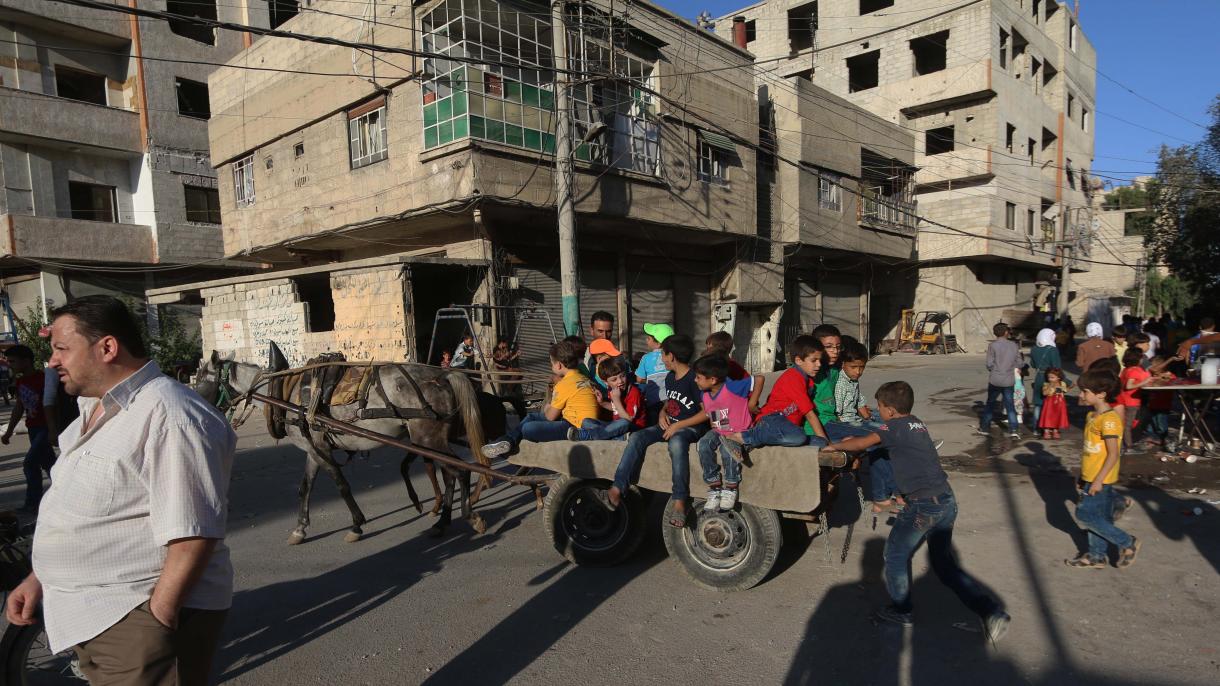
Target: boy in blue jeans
<point>682,422</point>
<point>854,418</point>
<point>622,400</point>
<point>929,513</point>
<point>727,404</point>
<point>790,404</point>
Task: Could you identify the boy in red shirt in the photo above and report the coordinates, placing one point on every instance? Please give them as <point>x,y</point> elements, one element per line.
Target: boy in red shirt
<point>622,400</point>
<point>28,403</point>
<point>789,406</point>
<point>1133,377</point>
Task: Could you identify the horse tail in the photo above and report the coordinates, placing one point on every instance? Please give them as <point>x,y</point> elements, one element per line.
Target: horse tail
<point>468,405</point>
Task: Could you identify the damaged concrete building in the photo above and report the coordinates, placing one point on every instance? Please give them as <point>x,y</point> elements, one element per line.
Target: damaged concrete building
<point>386,184</point>
<point>999,95</point>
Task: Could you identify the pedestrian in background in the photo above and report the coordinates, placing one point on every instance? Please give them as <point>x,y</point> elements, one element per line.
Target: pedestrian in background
<point>28,405</point>
<point>1093,349</point>
<point>1044,356</point>
<point>130,565</point>
<point>1003,356</point>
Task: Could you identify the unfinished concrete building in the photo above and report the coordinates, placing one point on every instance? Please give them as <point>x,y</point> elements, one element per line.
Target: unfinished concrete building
<point>107,183</point>
<point>999,95</point>
<point>1111,288</point>
<point>384,186</point>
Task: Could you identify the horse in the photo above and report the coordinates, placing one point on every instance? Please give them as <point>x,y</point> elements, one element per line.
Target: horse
<point>426,401</point>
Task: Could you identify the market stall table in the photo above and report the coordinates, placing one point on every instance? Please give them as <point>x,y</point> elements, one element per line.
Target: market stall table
<point>1196,400</point>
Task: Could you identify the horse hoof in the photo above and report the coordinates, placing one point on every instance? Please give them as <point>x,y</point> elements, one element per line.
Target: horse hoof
<point>479,525</point>
<point>436,511</point>
<point>352,537</point>
<point>295,538</point>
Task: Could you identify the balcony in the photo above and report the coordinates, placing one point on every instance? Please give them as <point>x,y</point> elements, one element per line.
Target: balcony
<point>884,213</point>
<point>70,122</point>
<point>75,240</point>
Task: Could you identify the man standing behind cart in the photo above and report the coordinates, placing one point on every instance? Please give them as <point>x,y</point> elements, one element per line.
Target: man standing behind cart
<point>129,559</point>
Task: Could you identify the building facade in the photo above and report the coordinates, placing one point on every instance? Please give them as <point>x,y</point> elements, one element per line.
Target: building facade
<point>107,182</point>
<point>1111,287</point>
<point>999,96</point>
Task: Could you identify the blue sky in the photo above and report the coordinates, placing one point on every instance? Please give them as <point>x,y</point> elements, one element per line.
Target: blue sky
<point>1165,50</point>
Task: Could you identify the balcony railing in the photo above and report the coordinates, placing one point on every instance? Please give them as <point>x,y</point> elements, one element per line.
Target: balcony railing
<point>884,212</point>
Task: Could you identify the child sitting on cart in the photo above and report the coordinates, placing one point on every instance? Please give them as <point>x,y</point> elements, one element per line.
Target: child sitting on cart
<point>572,402</point>
<point>622,400</point>
<point>726,402</point>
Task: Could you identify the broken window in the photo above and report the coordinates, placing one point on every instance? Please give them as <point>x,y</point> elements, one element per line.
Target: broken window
<point>1010,216</point>
<point>199,9</point>
<point>939,140</point>
<point>193,99</point>
<point>1030,147</point>
<point>91,202</point>
<point>1071,174</point>
<point>829,193</point>
<point>1003,49</point>
<point>80,85</point>
<point>314,291</point>
<point>1084,118</point>
<point>243,181</point>
<point>863,71</point>
<point>281,11</point>
<point>1071,107</point>
<point>870,6</point>
<point>802,26</point>
<point>1019,45</point>
<point>751,31</point>
<point>202,204</point>
<point>930,53</point>
<point>366,126</point>
<point>1009,137</point>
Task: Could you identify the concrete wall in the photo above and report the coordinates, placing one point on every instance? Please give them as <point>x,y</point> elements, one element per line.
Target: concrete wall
<point>1106,280</point>
<point>370,318</point>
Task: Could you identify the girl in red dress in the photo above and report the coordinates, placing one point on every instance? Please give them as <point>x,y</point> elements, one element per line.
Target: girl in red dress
<point>1054,406</point>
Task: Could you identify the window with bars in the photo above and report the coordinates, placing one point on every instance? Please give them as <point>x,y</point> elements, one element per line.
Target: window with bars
<point>243,181</point>
<point>202,204</point>
<point>366,131</point>
<point>712,164</point>
<point>829,193</point>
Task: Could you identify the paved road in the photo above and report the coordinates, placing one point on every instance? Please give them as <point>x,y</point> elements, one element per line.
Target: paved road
<point>399,607</point>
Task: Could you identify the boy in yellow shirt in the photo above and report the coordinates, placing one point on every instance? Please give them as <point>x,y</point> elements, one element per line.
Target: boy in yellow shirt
<point>572,402</point>
<point>1103,433</point>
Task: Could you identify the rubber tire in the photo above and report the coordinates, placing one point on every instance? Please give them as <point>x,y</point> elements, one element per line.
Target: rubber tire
<point>764,539</point>
<point>566,493</point>
<point>15,650</point>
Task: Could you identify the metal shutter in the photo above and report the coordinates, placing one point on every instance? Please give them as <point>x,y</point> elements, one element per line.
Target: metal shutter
<point>841,305</point>
<point>693,307</point>
<point>650,299</point>
<point>538,288</point>
<point>598,291</point>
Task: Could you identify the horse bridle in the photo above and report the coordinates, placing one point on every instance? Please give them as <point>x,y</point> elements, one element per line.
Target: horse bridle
<point>226,395</point>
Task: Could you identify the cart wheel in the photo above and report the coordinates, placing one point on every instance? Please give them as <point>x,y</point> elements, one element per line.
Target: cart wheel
<point>584,531</point>
<point>725,551</point>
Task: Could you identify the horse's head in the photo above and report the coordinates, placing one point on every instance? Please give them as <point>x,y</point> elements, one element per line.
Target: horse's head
<point>214,382</point>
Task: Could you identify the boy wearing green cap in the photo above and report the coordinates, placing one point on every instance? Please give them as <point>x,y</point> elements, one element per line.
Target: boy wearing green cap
<point>651,371</point>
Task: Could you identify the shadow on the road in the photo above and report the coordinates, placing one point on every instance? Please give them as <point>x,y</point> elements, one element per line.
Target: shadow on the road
<point>1056,485</point>
<point>570,595</point>
<point>272,621</point>
<point>1175,519</point>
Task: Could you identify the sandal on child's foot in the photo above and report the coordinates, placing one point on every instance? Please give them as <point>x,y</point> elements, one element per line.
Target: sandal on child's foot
<point>1127,555</point>
<point>1085,561</point>
<point>677,518</point>
<point>603,497</point>
<point>880,506</point>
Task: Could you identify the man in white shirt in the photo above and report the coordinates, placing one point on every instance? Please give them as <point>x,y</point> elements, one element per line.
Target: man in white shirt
<point>130,565</point>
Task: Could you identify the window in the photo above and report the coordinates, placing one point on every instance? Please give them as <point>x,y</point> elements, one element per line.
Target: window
<point>1084,117</point>
<point>1030,148</point>
<point>1071,174</point>
<point>202,204</point>
<point>1010,216</point>
<point>829,193</point>
<point>91,202</point>
<point>314,291</point>
<point>366,126</point>
<point>1003,49</point>
<point>1072,34</point>
<point>281,11</point>
<point>937,141</point>
<point>201,9</point>
<point>1037,11</point>
<point>1071,107</point>
<point>1048,73</point>
<point>751,31</point>
<point>1031,220</point>
<point>930,53</point>
<point>802,26</point>
<point>243,181</point>
<point>863,71</point>
<point>298,150</point>
<point>1019,46</point>
<point>1048,140</point>
<point>870,6</point>
<point>80,85</point>
<point>193,99</point>
<point>716,153</point>
<point>1035,73</point>
<point>1009,137</point>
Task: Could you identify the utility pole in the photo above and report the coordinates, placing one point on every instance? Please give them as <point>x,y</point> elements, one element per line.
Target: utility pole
<point>1065,267</point>
<point>568,281</point>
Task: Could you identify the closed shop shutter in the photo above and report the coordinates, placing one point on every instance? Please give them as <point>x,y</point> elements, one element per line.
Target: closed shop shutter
<point>693,307</point>
<point>650,299</point>
<point>534,336</point>
<point>598,291</point>
<point>841,305</point>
